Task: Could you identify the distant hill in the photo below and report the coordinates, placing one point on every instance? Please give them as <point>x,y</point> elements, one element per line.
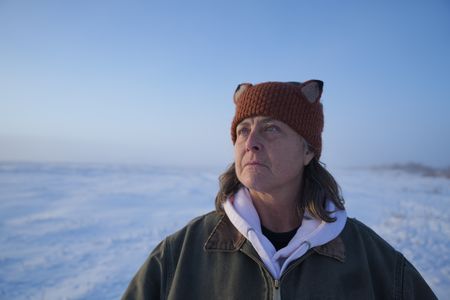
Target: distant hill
<point>417,168</point>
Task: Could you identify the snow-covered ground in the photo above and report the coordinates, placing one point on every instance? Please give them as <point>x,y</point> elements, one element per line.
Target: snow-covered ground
<point>77,231</point>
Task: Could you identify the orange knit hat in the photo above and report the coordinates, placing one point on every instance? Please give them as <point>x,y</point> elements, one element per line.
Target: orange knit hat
<point>296,104</point>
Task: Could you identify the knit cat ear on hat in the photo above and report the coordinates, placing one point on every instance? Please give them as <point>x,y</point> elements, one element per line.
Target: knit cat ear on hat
<point>312,90</point>
<point>239,90</point>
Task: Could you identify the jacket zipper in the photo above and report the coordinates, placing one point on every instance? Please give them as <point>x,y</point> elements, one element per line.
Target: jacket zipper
<point>276,293</point>
<point>276,290</point>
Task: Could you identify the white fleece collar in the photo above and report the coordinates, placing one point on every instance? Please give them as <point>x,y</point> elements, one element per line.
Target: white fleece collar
<point>311,233</point>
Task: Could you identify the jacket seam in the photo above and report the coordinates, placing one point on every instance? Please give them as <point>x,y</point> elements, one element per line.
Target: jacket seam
<point>169,270</point>
<point>268,278</point>
<point>399,276</point>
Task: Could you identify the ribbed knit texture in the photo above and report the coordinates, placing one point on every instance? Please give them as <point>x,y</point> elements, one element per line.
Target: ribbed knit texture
<point>284,102</point>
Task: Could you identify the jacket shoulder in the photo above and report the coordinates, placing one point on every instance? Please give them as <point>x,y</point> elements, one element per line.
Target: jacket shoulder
<point>199,227</point>
<point>365,234</point>
<point>384,262</point>
<point>154,278</point>
<point>191,239</point>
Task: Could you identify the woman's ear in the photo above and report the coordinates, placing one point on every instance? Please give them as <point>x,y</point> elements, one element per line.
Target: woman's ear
<point>309,155</point>
<point>239,90</point>
<point>312,90</point>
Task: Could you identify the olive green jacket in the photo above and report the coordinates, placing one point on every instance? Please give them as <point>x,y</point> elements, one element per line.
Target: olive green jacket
<point>210,259</point>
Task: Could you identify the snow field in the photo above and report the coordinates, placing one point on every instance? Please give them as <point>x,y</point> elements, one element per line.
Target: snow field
<point>78,231</point>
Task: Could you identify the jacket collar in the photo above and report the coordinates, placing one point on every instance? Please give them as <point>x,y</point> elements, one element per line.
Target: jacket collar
<point>226,238</point>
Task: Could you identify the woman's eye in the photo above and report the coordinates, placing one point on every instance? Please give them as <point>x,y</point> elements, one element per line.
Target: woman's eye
<point>272,128</point>
<point>243,131</point>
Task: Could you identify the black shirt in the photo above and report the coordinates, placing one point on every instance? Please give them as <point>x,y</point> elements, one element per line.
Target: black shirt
<point>279,239</point>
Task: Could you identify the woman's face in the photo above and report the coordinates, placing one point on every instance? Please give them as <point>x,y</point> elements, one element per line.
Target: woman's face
<point>269,155</point>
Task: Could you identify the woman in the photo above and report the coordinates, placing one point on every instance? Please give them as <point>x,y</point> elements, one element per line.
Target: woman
<point>280,230</point>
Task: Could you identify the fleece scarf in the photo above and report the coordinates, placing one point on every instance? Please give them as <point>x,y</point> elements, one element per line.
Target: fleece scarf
<point>313,232</point>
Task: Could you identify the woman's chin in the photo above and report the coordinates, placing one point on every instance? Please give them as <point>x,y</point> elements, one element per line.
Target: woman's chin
<point>256,184</point>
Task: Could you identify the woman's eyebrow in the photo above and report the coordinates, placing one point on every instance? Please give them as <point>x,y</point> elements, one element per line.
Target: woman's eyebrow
<point>243,123</point>
<point>268,120</point>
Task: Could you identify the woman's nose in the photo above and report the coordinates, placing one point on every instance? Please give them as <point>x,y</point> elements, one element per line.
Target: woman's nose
<point>253,142</point>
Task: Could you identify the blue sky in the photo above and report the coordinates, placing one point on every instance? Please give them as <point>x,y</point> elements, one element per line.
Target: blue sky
<point>152,81</point>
